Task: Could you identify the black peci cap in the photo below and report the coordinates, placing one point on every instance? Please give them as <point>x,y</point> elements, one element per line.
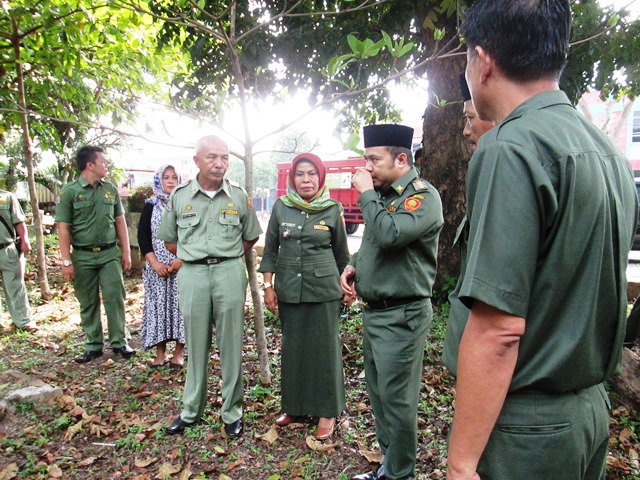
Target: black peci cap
<point>388,135</point>
<point>464,88</point>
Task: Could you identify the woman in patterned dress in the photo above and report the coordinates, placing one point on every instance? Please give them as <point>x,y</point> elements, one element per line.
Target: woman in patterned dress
<point>162,321</point>
<point>305,249</point>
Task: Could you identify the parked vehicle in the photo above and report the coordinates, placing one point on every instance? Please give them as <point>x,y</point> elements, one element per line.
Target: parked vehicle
<point>338,180</point>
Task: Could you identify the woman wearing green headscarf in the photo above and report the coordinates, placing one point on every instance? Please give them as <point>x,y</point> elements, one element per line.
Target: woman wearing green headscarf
<point>306,248</point>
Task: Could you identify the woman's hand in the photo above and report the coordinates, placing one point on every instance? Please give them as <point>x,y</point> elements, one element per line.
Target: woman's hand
<point>160,268</point>
<point>175,265</point>
<point>271,300</point>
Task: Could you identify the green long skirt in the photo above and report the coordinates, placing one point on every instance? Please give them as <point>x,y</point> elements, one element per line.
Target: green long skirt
<point>312,378</point>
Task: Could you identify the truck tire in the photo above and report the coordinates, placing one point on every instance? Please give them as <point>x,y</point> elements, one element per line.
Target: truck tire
<point>351,228</point>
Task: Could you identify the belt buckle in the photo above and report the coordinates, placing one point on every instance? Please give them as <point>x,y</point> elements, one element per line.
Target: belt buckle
<point>96,249</point>
<point>212,261</point>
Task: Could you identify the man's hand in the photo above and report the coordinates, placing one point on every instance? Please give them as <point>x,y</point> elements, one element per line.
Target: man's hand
<point>175,265</point>
<point>452,475</point>
<point>68,273</point>
<point>126,262</point>
<point>361,180</point>
<point>346,281</point>
<point>25,245</point>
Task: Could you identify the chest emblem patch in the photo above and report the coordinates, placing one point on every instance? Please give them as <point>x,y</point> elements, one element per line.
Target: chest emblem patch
<point>109,196</point>
<point>80,197</point>
<point>391,208</point>
<point>188,207</point>
<point>320,227</point>
<point>411,203</point>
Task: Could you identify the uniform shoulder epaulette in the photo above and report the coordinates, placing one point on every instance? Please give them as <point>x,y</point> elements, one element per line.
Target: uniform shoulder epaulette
<point>235,184</point>
<point>182,185</point>
<point>420,184</point>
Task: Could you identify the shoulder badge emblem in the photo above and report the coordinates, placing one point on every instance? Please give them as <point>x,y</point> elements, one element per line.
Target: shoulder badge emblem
<point>411,203</point>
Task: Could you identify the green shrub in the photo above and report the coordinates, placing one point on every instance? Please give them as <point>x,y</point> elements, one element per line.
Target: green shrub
<point>138,196</point>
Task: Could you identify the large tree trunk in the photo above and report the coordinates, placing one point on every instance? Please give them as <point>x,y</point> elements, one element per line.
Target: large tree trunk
<point>446,154</point>
<point>627,384</point>
<point>43,280</point>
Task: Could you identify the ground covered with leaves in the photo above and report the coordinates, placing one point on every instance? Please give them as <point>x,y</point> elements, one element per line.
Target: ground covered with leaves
<point>109,422</point>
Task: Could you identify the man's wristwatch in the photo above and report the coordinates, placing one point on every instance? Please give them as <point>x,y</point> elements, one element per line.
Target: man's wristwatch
<point>267,285</point>
<point>66,263</point>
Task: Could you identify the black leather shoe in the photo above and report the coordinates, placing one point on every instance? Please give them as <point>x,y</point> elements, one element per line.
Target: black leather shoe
<point>377,475</point>
<point>177,426</point>
<point>88,355</point>
<point>126,351</point>
<point>234,429</point>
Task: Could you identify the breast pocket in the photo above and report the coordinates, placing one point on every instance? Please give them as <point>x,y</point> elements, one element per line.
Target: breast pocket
<point>110,209</point>
<point>81,211</point>
<point>186,227</point>
<point>229,225</point>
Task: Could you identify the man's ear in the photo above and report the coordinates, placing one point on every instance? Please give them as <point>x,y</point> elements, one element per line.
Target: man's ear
<point>487,64</point>
<point>401,159</point>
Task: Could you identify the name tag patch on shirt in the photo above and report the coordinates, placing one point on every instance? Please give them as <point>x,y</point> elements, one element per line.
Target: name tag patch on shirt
<point>285,224</point>
<point>411,204</point>
<point>229,212</point>
<point>109,196</point>
<point>189,215</point>
<point>320,227</point>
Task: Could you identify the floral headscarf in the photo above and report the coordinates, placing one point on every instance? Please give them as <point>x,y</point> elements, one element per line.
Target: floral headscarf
<point>159,195</point>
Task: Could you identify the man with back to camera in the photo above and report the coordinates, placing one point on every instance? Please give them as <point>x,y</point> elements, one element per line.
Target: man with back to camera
<point>90,218</point>
<point>210,224</point>
<point>552,211</point>
<point>12,261</point>
<point>394,271</point>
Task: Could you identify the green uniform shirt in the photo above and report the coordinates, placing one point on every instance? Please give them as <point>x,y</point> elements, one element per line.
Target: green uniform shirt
<point>307,252</point>
<point>209,227</point>
<point>552,212</point>
<point>91,212</point>
<point>12,213</point>
<point>397,257</point>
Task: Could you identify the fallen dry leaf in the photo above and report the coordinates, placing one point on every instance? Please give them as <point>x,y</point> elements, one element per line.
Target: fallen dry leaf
<point>223,477</point>
<point>186,473</point>
<point>167,469</point>
<point>372,456</point>
<point>86,462</point>
<point>9,472</point>
<point>269,437</point>
<point>72,430</point>
<point>319,445</point>
<point>55,471</point>
<point>142,463</point>
<point>235,464</point>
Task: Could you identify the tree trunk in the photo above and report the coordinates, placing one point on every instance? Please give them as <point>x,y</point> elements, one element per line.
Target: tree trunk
<point>627,384</point>
<point>446,156</point>
<point>258,311</point>
<point>43,281</point>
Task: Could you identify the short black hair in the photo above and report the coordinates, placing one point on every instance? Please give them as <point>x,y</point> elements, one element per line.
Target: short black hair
<point>529,39</point>
<point>395,151</point>
<point>87,154</point>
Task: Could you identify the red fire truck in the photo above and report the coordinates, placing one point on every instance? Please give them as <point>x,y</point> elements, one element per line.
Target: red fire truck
<point>339,181</point>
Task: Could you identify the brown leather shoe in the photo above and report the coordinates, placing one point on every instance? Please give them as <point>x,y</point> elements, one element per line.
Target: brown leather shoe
<point>285,420</point>
<point>322,433</point>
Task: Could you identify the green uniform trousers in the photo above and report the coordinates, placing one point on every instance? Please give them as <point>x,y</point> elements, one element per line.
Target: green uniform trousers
<point>15,291</point>
<point>549,436</point>
<point>394,340</point>
<point>96,273</point>
<point>213,296</point>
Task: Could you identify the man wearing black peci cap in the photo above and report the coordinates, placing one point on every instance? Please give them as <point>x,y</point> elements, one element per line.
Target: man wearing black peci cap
<point>474,126</point>
<point>394,272</point>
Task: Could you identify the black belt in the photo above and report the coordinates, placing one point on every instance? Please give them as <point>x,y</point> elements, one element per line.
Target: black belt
<point>210,260</point>
<point>97,248</point>
<point>4,245</point>
<point>389,303</point>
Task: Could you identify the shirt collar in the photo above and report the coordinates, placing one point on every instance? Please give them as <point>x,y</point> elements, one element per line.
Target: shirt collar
<point>196,187</point>
<point>538,102</point>
<point>401,183</point>
<point>84,183</point>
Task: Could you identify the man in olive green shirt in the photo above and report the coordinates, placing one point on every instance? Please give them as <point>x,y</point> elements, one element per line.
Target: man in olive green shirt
<point>552,211</point>
<point>394,271</point>
<point>12,261</point>
<point>210,224</point>
<point>91,219</point>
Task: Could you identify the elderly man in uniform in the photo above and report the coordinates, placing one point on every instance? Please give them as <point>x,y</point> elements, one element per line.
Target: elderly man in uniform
<point>91,218</point>
<point>12,261</point>
<point>393,272</point>
<point>552,211</point>
<point>209,225</point>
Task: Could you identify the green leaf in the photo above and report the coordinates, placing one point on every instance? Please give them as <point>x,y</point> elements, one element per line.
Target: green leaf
<point>355,44</point>
<point>439,33</point>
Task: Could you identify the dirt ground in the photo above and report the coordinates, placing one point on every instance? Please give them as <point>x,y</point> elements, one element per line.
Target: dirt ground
<point>109,422</point>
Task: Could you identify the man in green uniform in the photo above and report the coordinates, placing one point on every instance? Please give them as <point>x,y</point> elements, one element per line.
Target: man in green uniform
<point>552,211</point>
<point>394,271</point>
<point>209,225</point>
<point>12,261</point>
<point>91,218</point>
